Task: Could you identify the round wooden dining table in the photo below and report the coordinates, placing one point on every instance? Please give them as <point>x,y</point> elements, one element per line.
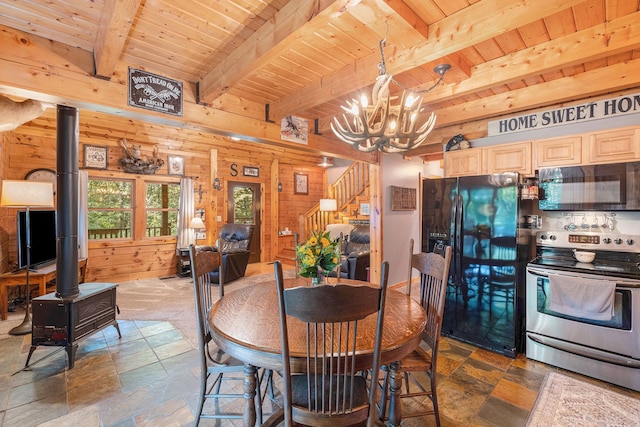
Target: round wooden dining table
<point>245,323</point>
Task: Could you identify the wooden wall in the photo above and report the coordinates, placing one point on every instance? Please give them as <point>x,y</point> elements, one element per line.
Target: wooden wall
<point>33,145</point>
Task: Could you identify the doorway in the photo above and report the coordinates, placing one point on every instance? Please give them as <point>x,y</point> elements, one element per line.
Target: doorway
<point>244,207</point>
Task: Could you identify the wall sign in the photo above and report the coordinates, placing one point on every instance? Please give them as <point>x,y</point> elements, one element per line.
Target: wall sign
<point>250,171</point>
<point>95,156</point>
<point>626,104</point>
<point>153,92</point>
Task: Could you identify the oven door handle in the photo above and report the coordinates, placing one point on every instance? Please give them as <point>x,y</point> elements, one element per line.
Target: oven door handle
<point>620,283</point>
<point>588,352</point>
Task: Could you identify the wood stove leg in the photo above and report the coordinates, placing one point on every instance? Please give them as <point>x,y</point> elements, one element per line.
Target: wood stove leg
<point>31,350</point>
<point>71,354</point>
<point>117,329</point>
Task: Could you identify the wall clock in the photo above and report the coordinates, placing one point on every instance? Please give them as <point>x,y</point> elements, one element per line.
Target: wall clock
<point>43,175</point>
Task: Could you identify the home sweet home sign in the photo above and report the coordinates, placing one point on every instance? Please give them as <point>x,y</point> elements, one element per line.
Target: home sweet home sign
<point>627,104</point>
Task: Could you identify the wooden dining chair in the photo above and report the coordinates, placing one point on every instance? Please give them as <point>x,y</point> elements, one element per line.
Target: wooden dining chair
<point>215,365</point>
<point>328,389</point>
<point>434,274</point>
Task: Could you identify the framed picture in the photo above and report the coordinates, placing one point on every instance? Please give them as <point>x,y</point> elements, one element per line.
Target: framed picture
<point>250,171</point>
<point>294,129</point>
<point>176,165</point>
<point>364,209</point>
<point>96,157</point>
<point>300,183</point>
<point>403,199</point>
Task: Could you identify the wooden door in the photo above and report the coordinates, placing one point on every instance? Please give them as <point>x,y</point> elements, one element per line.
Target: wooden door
<point>244,206</point>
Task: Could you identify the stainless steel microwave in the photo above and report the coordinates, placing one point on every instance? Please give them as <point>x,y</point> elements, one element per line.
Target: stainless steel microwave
<point>610,187</point>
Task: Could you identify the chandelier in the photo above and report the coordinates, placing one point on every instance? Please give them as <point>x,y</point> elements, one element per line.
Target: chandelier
<point>386,124</point>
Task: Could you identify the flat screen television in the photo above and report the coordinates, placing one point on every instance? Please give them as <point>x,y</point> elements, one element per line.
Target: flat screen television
<point>43,237</point>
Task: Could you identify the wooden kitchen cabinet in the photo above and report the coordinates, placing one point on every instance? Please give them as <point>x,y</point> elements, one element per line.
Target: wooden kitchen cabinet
<point>565,151</point>
<point>463,162</point>
<point>487,160</point>
<point>620,145</point>
<point>509,158</point>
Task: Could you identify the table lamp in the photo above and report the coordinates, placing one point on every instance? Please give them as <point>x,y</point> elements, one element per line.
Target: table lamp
<point>329,205</point>
<point>197,224</point>
<point>26,195</point>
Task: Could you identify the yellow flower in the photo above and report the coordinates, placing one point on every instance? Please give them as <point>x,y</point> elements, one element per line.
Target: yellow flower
<point>318,255</point>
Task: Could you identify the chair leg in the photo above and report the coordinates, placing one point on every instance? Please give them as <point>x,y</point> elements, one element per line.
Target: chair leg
<point>434,398</point>
<point>201,401</point>
<point>382,411</point>
<point>259,397</point>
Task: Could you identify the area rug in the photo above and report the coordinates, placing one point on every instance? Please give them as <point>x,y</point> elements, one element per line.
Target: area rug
<point>163,299</point>
<point>171,299</point>
<point>565,401</point>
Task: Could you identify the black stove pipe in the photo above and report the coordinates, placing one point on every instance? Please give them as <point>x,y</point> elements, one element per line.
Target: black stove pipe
<point>67,202</point>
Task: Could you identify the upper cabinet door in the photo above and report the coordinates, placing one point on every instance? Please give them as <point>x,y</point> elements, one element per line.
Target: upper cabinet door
<point>463,162</point>
<point>509,158</point>
<point>615,146</point>
<point>563,151</point>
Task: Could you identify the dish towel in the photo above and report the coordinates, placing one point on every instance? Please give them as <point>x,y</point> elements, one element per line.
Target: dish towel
<point>580,297</point>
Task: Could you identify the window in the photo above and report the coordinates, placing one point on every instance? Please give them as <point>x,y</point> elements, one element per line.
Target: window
<point>162,209</point>
<point>113,212</point>
<point>110,209</point>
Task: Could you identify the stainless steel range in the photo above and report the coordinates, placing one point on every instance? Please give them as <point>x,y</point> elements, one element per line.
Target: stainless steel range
<point>585,317</point>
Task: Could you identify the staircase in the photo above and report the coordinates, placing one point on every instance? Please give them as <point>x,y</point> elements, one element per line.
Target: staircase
<point>350,190</point>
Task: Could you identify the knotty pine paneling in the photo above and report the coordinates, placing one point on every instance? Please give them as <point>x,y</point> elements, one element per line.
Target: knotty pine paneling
<point>293,206</point>
<point>33,145</point>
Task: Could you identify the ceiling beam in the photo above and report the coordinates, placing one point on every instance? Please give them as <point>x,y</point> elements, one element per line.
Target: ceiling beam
<point>453,33</point>
<point>591,83</point>
<point>404,11</point>
<point>115,24</point>
<point>600,41</point>
<point>271,40</point>
<point>62,82</point>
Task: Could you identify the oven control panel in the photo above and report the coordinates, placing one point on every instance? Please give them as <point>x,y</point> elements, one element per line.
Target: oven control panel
<point>583,238</point>
<point>589,241</point>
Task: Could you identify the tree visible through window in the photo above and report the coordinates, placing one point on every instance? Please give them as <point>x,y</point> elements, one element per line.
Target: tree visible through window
<point>162,209</point>
<point>113,213</point>
<point>110,209</point>
<point>243,206</point>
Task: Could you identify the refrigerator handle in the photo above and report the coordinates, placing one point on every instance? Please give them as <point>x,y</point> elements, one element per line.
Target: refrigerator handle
<point>457,240</point>
<point>460,237</point>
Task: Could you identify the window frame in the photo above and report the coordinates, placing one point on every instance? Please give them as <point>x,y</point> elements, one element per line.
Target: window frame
<point>139,207</point>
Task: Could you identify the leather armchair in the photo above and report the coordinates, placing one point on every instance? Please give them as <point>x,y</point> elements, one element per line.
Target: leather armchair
<point>355,254</point>
<point>235,240</point>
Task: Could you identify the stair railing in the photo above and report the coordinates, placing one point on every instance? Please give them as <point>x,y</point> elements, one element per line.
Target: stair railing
<point>351,184</point>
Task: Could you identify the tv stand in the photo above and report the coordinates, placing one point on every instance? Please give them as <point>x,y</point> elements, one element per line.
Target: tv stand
<point>41,277</point>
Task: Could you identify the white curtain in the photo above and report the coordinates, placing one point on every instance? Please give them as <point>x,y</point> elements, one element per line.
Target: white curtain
<point>186,235</point>
<point>83,209</point>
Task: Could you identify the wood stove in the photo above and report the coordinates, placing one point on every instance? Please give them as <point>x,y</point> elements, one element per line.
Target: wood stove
<point>74,311</point>
<point>66,321</point>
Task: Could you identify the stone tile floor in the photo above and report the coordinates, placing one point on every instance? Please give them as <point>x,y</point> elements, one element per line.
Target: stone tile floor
<point>150,377</point>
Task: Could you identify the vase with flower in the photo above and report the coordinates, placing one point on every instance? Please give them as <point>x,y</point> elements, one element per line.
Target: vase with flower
<point>318,257</point>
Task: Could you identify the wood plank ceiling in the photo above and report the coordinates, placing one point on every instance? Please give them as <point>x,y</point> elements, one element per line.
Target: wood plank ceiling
<point>306,57</point>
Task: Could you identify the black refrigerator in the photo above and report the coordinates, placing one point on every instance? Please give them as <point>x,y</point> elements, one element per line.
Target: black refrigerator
<point>483,219</point>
